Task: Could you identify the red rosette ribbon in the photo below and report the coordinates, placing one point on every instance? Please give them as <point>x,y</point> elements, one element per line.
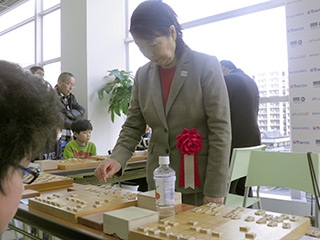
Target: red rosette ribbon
<point>189,142</point>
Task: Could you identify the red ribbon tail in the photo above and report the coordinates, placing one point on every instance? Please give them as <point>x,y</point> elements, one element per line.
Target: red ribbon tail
<point>196,172</point>
<point>181,180</point>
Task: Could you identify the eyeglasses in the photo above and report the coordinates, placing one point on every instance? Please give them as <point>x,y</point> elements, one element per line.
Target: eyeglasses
<point>29,174</point>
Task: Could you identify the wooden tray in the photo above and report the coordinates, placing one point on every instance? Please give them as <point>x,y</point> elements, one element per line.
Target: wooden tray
<point>221,222</point>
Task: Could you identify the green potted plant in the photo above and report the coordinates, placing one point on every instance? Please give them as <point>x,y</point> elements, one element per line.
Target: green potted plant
<point>119,90</point>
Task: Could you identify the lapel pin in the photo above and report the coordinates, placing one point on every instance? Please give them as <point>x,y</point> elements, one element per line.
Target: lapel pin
<point>184,74</point>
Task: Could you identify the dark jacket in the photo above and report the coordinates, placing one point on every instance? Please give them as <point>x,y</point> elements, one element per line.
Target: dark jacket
<point>53,153</point>
<point>70,109</point>
<point>244,106</point>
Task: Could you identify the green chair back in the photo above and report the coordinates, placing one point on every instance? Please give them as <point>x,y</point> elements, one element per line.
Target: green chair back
<point>282,169</point>
<point>238,168</point>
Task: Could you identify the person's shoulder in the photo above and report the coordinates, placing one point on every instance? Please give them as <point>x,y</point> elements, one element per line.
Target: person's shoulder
<point>143,71</point>
<point>201,56</point>
<point>91,144</point>
<point>145,67</point>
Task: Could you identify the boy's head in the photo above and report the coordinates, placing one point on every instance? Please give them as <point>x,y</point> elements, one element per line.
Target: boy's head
<point>81,125</point>
<point>82,130</point>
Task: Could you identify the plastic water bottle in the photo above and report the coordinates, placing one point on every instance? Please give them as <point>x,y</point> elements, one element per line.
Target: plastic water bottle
<point>164,180</point>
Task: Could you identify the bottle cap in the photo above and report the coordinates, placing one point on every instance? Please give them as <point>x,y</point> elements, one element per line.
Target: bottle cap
<point>164,160</point>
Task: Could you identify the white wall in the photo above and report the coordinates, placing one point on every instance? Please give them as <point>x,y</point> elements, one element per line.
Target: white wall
<point>92,34</point>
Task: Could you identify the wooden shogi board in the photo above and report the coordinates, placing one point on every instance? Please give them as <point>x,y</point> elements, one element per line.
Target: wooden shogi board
<point>214,221</point>
<point>77,163</point>
<point>47,181</point>
<point>71,205</point>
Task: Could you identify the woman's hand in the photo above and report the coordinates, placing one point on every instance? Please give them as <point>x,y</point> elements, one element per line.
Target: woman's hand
<point>106,169</point>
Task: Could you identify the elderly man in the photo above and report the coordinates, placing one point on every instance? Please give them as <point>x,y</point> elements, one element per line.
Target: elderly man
<point>70,109</point>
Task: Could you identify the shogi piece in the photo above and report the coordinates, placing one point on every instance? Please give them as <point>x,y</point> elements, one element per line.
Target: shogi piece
<point>147,200</point>
<point>120,222</point>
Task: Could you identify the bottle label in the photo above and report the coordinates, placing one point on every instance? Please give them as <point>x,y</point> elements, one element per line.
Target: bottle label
<point>165,188</point>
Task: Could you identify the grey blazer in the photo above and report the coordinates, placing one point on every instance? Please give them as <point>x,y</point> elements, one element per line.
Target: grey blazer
<point>198,99</point>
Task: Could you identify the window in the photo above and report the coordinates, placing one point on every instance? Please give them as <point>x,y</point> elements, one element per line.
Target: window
<point>33,35</point>
<point>52,72</point>
<point>18,46</point>
<point>256,42</point>
<point>196,9</point>
<point>49,4</point>
<point>17,15</point>
<point>51,36</point>
<point>253,51</point>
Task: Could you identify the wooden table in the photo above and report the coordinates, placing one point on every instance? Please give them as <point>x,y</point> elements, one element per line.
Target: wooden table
<point>136,168</point>
<point>64,229</point>
<point>56,226</point>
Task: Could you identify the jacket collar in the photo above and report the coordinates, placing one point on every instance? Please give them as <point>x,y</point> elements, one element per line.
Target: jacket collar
<point>180,76</point>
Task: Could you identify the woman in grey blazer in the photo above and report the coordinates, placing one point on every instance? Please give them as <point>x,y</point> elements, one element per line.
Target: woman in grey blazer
<point>179,89</point>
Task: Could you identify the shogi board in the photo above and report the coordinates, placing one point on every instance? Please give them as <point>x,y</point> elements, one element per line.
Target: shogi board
<point>71,205</point>
<point>47,181</point>
<point>214,221</point>
<point>77,163</point>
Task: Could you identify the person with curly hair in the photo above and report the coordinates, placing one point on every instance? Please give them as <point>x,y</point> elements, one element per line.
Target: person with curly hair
<point>28,122</point>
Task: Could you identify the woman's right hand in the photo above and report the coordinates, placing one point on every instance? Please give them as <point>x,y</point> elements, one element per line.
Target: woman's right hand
<point>106,169</point>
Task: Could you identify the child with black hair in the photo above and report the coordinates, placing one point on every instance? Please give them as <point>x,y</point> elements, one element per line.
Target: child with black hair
<point>81,147</point>
<point>28,126</point>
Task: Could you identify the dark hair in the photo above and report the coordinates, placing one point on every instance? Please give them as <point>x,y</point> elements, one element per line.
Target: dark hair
<point>36,68</point>
<point>64,76</point>
<point>228,64</point>
<point>81,125</point>
<point>29,119</point>
<point>153,19</point>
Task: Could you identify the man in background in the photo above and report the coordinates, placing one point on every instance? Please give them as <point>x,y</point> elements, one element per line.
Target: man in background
<point>70,109</point>
<point>37,70</point>
<point>244,107</point>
